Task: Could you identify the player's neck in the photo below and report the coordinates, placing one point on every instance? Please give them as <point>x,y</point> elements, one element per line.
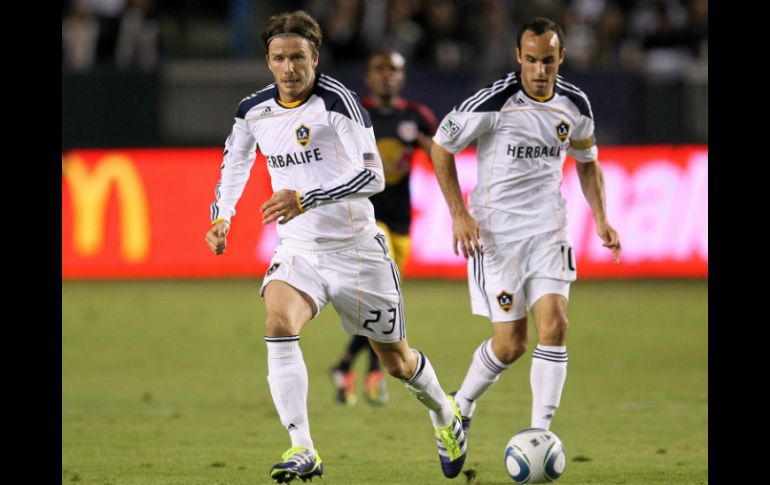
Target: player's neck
<point>541,99</point>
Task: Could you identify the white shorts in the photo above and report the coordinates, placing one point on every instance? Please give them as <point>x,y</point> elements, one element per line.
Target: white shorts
<point>362,282</point>
<point>507,279</point>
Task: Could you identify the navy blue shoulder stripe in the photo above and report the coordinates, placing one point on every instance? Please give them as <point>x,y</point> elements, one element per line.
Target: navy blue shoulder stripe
<point>338,98</point>
<point>575,95</point>
<point>493,96</point>
<point>254,99</point>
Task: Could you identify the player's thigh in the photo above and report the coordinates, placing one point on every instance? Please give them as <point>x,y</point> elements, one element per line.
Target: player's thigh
<point>365,289</point>
<point>496,284</point>
<point>288,309</point>
<point>298,271</point>
<point>550,256</point>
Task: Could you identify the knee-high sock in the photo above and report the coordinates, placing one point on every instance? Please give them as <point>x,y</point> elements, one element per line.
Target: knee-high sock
<point>547,376</point>
<point>485,370</point>
<point>424,384</point>
<point>287,377</point>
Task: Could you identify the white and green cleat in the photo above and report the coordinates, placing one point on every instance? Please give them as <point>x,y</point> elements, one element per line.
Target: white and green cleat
<point>452,445</point>
<point>298,462</point>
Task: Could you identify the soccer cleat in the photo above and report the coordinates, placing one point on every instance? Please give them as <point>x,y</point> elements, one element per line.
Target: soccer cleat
<point>466,419</point>
<point>452,447</point>
<point>345,383</point>
<point>298,462</point>
<point>376,391</point>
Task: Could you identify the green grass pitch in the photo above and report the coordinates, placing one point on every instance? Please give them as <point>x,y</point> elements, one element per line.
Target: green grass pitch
<point>164,382</point>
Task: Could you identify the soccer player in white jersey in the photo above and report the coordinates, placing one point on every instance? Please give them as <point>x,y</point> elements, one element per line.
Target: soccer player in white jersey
<point>323,163</point>
<point>515,230</point>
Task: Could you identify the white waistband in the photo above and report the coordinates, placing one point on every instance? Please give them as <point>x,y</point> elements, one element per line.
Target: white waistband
<point>330,247</point>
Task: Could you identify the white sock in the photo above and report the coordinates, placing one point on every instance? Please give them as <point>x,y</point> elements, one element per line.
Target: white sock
<point>547,376</point>
<point>287,377</point>
<point>424,384</point>
<point>485,370</point>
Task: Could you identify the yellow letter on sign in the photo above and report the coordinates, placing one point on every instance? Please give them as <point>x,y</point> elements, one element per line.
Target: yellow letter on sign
<point>90,193</point>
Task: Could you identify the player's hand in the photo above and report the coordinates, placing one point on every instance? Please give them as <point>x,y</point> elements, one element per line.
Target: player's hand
<point>216,237</point>
<point>466,234</point>
<point>610,237</point>
<point>283,205</point>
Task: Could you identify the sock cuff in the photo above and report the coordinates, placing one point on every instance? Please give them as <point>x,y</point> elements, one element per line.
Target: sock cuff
<point>282,344</point>
<point>489,359</point>
<point>421,361</point>
<point>551,353</point>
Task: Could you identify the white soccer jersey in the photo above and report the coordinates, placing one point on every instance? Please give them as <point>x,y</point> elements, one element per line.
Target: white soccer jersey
<point>522,145</point>
<point>324,148</point>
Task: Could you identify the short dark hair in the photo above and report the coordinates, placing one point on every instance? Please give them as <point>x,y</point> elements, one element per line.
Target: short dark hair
<point>384,53</point>
<point>538,26</point>
<point>298,22</point>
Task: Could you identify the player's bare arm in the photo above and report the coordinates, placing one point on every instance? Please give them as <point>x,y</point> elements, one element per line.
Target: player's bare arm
<point>465,229</point>
<point>216,236</point>
<point>592,182</point>
<point>283,204</point>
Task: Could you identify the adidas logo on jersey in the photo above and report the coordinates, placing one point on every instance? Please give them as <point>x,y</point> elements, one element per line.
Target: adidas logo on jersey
<point>265,112</point>
<point>519,102</point>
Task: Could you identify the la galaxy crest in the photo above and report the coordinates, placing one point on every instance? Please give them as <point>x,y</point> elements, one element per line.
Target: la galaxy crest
<point>303,135</point>
<point>505,300</point>
<point>562,131</point>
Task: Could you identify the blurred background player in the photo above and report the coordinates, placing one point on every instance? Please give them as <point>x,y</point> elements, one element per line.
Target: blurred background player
<point>401,126</point>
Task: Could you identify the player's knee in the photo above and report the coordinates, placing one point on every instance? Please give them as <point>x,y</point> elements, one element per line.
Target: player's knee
<point>396,366</point>
<point>512,350</point>
<point>278,324</point>
<point>554,332</point>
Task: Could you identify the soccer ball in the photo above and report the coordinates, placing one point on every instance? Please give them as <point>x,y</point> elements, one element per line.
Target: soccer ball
<point>535,455</point>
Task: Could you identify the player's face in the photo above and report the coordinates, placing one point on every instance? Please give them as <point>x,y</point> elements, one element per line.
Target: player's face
<point>292,60</point>
<point>385,74</point>
<point>540,59</point>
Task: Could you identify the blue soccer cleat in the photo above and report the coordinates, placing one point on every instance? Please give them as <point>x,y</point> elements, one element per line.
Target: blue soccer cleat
<point>298,462</point>
<point>452,448</point>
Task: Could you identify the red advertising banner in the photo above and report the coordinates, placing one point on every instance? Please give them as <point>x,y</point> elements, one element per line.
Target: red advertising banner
<point>144,213</point>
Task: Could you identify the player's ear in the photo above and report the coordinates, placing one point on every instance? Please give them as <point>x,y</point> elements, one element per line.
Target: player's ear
<point>315,58</point>
<point>518,55</point>
<point>562,54</point>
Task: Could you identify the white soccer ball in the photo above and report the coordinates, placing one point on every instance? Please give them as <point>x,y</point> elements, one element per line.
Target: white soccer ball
<point>535,455</point>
